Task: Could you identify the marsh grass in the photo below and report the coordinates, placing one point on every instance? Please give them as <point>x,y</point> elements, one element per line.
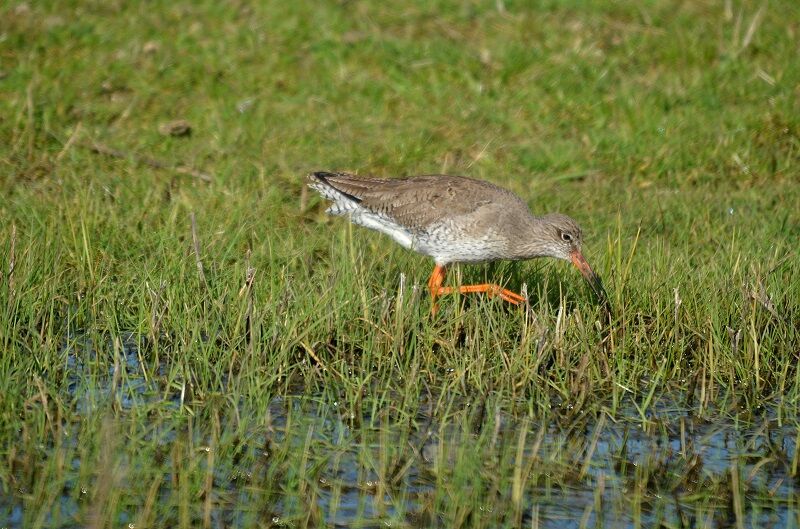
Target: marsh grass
<point>186,353</point>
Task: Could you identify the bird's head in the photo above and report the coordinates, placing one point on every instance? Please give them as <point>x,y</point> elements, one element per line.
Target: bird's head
<point>564,239</point>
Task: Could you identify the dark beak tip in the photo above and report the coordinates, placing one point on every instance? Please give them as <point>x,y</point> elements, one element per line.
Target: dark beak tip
<point>595,283</point>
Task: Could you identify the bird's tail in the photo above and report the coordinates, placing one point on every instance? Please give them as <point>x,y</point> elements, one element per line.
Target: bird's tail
<point>325,184</point>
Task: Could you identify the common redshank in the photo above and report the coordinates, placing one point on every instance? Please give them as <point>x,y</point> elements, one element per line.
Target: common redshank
<point>455,219</point>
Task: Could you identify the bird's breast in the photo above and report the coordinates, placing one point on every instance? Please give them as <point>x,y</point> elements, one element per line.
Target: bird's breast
<point>449,243</point>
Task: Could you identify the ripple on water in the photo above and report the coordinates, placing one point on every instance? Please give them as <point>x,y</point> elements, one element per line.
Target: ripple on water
<point>584,474</point>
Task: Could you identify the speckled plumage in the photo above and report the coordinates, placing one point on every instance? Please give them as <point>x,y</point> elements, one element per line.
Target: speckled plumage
<point>453,219</point>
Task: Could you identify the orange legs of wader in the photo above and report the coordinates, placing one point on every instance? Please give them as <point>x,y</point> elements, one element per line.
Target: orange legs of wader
<point>436,288</point>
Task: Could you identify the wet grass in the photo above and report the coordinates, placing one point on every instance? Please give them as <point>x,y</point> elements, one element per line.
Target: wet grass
<point>202,346</point>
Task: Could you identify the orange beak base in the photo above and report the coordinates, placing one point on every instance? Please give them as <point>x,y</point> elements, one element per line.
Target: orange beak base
<point>593,279</point>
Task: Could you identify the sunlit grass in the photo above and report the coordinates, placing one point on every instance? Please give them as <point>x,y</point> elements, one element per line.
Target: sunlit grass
<point>273,366</point>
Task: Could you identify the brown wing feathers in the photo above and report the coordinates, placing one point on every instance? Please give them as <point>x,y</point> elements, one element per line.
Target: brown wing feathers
<point>414,202</point>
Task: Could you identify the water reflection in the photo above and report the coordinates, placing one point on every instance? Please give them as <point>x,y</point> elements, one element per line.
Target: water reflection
<point>373,463</point>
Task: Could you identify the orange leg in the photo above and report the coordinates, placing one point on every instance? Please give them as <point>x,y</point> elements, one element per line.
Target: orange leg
<point>489,288</point>
<point>435,284</point>
<point>436,288</point>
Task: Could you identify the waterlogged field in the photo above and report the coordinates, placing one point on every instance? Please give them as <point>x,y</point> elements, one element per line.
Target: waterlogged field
<point>186,340</point>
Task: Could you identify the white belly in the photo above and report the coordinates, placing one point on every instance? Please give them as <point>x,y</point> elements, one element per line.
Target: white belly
<point>383,225</point>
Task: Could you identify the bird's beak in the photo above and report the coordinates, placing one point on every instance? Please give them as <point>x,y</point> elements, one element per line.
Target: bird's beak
<point>593,279</point>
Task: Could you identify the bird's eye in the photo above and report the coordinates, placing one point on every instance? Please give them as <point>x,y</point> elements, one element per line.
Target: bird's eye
<point>566,236</point>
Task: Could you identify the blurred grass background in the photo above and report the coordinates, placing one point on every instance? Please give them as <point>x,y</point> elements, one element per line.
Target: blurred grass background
<point>670,130</point>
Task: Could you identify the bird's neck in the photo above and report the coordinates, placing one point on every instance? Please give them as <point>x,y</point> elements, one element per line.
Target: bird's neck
<point>535,240</point>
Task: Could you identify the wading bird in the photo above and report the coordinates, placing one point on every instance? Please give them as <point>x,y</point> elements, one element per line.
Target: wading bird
<point>455,219</point>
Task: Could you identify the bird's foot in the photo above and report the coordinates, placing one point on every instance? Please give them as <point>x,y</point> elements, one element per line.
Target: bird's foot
<point>489,288</point>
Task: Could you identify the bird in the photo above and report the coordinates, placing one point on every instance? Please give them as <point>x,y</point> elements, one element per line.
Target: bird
<point>456,220</point>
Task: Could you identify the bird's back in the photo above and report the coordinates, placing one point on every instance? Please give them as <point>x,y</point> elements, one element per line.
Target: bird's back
<point>416,202</point>
<point>450,218</point>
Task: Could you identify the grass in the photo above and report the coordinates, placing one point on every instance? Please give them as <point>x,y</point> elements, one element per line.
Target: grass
<point>271,366</point>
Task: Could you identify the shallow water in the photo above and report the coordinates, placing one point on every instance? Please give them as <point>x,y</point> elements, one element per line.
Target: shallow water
<point>623,471</point>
